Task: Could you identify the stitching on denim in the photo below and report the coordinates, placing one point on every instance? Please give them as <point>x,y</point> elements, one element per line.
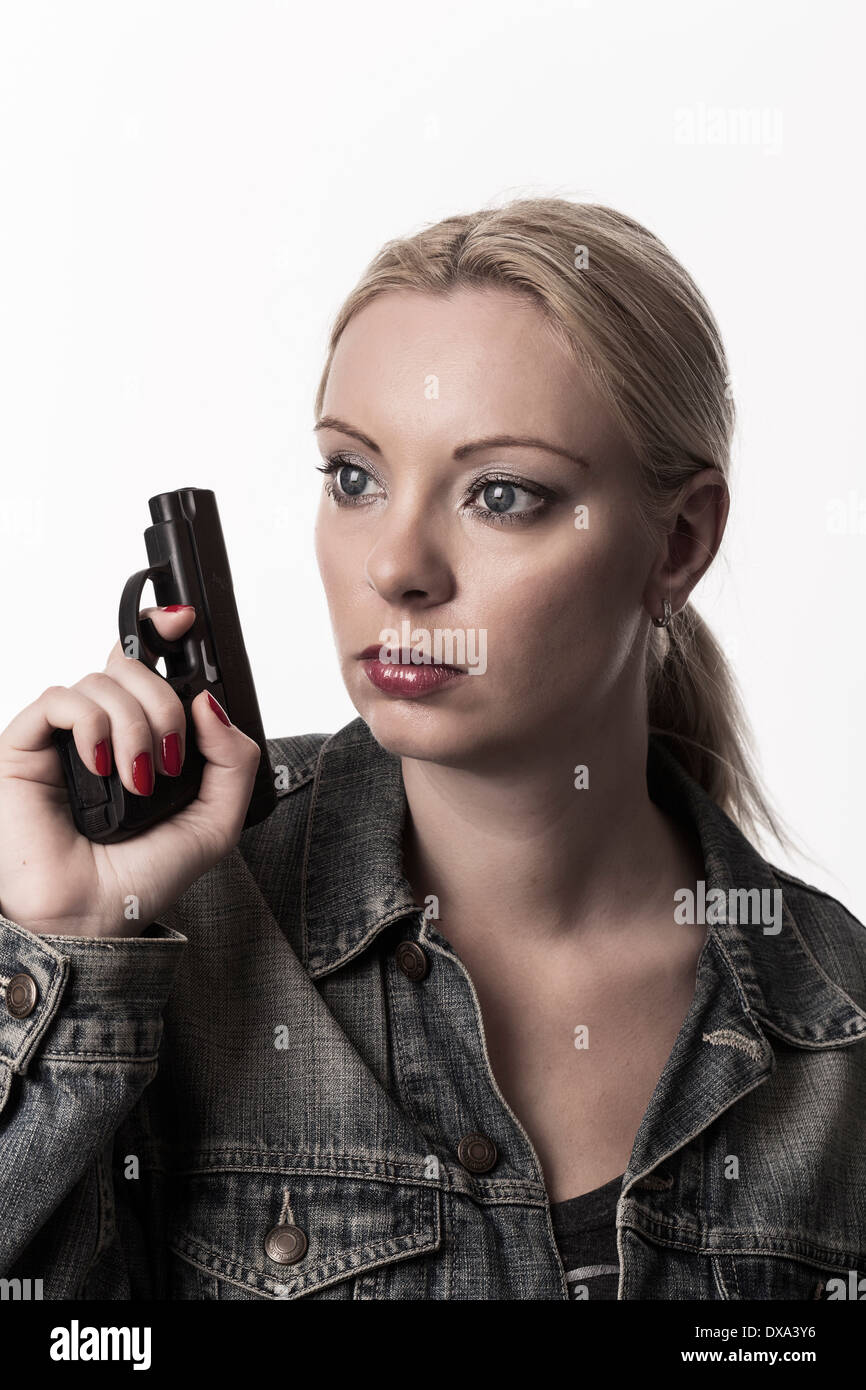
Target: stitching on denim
<point>492,1083</point>
<point>656,1181</point>
<point>298,778</point>
<point>727,1037</point>
<point>378,1167</point>
<point>813,1044</point>
<point>742,994</point>
<point>392,1015</point>
<point>287,1216</point>
<point>305,861</point>
<point>361,1256</point>
<point>336,1278</point>
<point>802,1252</point>
<point>715,1266</point>
<point>317,972</point>
<point>117,1057</point>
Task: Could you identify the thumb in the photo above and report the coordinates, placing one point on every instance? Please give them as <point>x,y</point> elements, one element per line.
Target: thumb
<point>231,763</point>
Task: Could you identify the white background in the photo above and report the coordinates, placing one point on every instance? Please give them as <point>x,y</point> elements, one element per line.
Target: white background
<point>189,190</point>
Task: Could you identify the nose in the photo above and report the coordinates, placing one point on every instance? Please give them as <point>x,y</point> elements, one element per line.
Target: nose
<point>407,560</point>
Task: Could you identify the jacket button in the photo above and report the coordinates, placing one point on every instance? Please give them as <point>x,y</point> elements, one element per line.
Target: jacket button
<point>412,960</point>
<point>285,1245</point>
<point>21,994</point>
<point>477,1153</point>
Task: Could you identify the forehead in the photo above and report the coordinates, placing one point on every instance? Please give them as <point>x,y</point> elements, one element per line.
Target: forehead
<point>471,362</point>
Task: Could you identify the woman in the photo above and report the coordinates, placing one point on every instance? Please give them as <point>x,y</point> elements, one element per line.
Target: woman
<point>500,1002</point>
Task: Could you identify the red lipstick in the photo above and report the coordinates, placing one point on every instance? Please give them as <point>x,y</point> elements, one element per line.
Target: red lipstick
<point>410,681</point>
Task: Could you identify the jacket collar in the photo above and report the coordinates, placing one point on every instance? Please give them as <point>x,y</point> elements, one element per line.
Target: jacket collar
<point>353,885</point>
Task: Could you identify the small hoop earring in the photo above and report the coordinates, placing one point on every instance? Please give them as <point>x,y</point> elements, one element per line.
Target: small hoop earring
<point>663,622</point>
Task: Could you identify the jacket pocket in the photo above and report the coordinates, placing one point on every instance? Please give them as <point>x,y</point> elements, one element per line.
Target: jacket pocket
<point>301,1234</point>
<point>759,1276</point>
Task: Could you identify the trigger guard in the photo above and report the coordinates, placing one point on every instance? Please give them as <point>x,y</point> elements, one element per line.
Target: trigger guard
<point>151,646</point>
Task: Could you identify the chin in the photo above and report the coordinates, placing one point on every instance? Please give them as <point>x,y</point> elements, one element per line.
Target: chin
<point>417,729</point>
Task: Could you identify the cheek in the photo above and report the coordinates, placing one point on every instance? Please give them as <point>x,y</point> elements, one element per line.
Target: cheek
<point>571,581</point>
<point>571,608</point>
<point>330,555</point>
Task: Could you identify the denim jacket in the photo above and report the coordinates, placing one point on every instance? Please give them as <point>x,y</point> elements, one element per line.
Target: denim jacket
<point>281,1089</point>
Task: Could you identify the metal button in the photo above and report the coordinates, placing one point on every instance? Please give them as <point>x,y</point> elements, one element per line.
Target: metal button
<point>412,960</point>
<point>477,1153</point>
<point>285,1244</point>
<point>21,995</point>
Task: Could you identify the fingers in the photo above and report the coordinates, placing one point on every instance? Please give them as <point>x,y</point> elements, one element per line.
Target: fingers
<point>127,716</point>
<point>59,708</point>
<point>168,625</point>
<point>165,748</point>
<point>143,711</point>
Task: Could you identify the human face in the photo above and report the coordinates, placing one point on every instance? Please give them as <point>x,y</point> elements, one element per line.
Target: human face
<point>487,542</point>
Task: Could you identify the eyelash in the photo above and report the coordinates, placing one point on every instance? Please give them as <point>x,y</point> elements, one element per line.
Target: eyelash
<point>337,461</point>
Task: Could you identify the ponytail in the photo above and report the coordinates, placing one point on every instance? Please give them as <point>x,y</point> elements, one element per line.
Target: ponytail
<point>694,706</point>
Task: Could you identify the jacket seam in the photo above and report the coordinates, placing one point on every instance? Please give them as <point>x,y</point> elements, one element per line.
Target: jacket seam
<point>663,1231</point>
<point>308,837</point>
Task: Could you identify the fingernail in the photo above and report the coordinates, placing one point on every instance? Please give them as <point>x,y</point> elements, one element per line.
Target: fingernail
<point>218,709</point>
<point>176,607</point>
<point>102,758</point>
<point>171,754</point>
<point>142,774</point>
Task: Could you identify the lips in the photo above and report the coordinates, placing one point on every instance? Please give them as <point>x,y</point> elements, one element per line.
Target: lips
<point>407,681</point>
<point>371,653</point>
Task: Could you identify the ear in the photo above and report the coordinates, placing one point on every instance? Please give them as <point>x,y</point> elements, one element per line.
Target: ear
<point>690,544</point>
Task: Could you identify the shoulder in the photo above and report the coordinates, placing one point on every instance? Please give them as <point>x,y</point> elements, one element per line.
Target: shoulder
<point>835,937</point>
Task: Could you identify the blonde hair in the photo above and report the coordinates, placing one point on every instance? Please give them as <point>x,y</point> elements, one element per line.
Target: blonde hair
<point>615,297</point>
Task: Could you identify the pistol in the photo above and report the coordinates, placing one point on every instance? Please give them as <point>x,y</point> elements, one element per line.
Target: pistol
<point>188,564</point>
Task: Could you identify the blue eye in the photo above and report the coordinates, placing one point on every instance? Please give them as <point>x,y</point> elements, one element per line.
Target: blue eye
<point>506,501</point>
<point>352,480</point>
<point>349,481</point>
<point>499,497</point>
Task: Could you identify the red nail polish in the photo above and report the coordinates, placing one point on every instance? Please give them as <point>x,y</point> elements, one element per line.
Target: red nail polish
<point>142,774</point>
<point>171,754</point>
<point>176,607</point>
<point>218,709</point>
<point>102,758</point>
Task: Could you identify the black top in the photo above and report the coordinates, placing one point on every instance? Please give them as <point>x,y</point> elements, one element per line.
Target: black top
<point>585,1230</point>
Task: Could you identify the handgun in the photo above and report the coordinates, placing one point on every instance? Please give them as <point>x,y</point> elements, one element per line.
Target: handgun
<point>188,564</point>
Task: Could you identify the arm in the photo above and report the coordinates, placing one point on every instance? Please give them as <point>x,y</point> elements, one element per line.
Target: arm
<point>80,1026</point>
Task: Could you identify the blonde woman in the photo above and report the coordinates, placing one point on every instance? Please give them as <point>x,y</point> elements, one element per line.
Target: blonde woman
<point>501,1002</point>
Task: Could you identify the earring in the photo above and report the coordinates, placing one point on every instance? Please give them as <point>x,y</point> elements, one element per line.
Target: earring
<point>663,622</point>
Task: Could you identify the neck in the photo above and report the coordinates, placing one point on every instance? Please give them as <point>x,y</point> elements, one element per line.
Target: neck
<point>515,847</point>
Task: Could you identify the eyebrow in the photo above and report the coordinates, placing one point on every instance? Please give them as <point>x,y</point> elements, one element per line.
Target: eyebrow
<point>497,441</point>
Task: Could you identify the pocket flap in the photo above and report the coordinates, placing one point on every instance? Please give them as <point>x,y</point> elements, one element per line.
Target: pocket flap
<point>344,1225</point>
